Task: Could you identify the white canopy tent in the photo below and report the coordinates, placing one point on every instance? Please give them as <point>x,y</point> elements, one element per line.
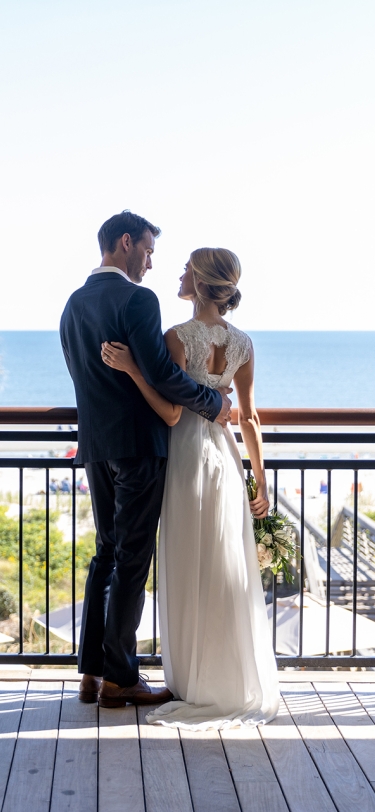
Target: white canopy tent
<point>60,621</point>
<point>314,627</point>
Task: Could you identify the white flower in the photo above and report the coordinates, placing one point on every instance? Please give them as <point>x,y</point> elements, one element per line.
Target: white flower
<point>281,535</point>
<point>261,550</point>
<point>264,556</point>
<point>283,551</point>
<point>267,558</point>
<point>267,539</point>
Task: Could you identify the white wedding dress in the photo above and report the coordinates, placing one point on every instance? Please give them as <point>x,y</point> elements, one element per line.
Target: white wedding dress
<point>215,638</point>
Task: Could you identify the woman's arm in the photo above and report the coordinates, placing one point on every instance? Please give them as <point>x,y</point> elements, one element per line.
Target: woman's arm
<point>118,356</point>
<point>250,429</point>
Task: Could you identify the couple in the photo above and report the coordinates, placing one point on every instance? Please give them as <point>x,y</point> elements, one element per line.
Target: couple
<point>131,384</point>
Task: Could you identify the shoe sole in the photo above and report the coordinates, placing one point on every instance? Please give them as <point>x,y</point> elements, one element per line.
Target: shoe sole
<point>88,697</point>
<point>121,702</point>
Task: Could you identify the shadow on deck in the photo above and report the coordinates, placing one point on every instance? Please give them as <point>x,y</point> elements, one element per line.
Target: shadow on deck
<point>59,754</point>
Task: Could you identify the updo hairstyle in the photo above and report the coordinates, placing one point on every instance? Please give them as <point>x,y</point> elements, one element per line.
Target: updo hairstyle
<point>219,270</point>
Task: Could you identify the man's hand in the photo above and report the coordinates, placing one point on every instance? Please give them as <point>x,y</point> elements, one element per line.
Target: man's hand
<point>224,415</point>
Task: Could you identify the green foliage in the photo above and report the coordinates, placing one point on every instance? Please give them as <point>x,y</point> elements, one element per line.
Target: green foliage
<point>7,604</point>
<point>34,558</point>
<point>371,514</point>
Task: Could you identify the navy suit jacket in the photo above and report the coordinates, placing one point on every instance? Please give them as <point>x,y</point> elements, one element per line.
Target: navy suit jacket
<point>114,419</point>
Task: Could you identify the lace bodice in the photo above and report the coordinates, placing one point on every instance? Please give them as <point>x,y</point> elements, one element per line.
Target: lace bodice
<point>198,338</point>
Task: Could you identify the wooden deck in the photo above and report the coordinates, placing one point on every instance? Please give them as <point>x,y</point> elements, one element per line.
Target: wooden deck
<point>58,754</point>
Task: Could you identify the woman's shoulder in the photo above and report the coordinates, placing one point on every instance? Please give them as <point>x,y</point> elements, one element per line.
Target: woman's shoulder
<point>240,336</point>
<point>240,349</point>
<point>184,330</point>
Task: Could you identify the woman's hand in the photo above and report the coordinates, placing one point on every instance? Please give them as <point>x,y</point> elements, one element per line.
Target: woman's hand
<point>260,505</point>
<point>118,356</point>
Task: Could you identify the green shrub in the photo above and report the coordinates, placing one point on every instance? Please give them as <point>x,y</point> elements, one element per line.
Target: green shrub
<point>7,604</point>
<point>34,559</point>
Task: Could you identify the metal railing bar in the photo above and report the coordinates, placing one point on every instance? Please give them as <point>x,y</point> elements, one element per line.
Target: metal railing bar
<point>38,462</point>
<point>355,561</point>
<point>39,436</point>
<point>269,464</point>
<point>320,661</point>
<point>312,438</point>
<point>47,561</point>
<point>328,573</point>
<point>302,563</point>
<point>274,577</point>
<point>317,465</point>
<point>74,515</point>
<point>20,561</point>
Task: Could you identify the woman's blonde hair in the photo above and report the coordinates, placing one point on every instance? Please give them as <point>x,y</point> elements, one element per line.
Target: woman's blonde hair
<point>219,270</point>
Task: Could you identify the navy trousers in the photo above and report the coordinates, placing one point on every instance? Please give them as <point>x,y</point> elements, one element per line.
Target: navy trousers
<point>126,499</point>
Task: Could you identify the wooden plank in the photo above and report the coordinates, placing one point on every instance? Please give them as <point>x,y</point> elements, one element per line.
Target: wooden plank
<point>326,676</point>
<point>75,780</point>
<point>12,697</point>
<point>257,787</point>
<point>339,769</point>
<point>120,769</point>
<point>366,696</point>
<point>210,781</point>
<point>164,775</point>
<point>353,722</point>
<point>297,774</point>
<point>15,672</point>
<point>31,776</point>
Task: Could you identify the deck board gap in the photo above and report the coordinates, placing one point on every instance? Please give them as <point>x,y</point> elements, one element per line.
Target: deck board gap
<point>26,682</point>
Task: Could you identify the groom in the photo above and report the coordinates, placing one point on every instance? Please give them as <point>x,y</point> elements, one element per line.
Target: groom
<point>124,446</point>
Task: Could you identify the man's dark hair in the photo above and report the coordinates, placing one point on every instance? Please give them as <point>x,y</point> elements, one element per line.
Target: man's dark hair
<point>124,223</point>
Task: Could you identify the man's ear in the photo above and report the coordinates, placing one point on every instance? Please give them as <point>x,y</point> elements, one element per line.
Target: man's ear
<point>126,242</point>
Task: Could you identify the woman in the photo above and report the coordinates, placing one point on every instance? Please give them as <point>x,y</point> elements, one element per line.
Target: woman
<point>216,643</point>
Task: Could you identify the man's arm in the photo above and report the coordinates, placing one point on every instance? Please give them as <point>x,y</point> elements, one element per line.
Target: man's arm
<point>143,330</point>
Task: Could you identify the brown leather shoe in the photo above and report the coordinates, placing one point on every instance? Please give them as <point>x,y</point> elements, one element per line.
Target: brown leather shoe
<point>89,688</point>
<point>112,696</point>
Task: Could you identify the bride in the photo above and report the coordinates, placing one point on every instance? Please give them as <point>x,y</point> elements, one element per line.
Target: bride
<point>216,643</point>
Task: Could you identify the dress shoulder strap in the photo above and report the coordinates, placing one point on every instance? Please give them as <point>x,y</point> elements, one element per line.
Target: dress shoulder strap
<point>187,334</point>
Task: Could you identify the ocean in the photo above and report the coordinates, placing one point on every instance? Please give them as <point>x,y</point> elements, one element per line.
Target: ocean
<point>292,369</point>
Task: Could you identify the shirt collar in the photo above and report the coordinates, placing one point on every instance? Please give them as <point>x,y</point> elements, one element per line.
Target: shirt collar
<point>110,269</point>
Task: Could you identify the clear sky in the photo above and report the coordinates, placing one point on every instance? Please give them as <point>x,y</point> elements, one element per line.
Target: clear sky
<point>246,124</point>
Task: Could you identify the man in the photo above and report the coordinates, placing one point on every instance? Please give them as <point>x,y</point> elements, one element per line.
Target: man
<point>124,445</point>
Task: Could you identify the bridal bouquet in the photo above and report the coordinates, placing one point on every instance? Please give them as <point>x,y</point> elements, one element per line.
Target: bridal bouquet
<point>273,537</point>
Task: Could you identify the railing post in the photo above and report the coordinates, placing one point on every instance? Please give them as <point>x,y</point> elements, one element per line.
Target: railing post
<point>328,573</point>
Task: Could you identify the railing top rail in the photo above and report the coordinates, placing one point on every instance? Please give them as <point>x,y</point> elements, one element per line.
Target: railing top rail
<point>67,415</point>
<point>313,417</point>
<point>38,415</point>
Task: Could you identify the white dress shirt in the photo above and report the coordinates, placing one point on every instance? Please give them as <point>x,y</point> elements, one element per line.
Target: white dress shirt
<point>110,269</point>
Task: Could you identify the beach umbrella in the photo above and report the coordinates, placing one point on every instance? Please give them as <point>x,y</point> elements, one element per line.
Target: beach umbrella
<point>314,627</point>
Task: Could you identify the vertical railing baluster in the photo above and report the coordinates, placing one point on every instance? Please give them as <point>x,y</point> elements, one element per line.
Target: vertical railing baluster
<point>20,561</point>
<point>302,567</point>
<point>47,560</point>
<point>154,605</point>
<point>274,577</point>
<point>328,573</point>
<point>355,561</point>
<point>74,514</point>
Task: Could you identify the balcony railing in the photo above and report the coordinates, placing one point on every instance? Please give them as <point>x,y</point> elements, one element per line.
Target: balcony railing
<point>354,538</point>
